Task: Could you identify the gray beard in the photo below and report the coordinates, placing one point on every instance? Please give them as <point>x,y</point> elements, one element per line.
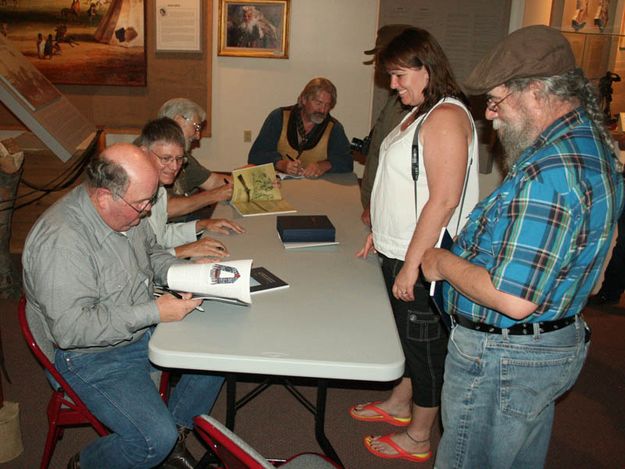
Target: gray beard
<point>516,139</point>
<point>249,26</point>
<point>317,118</point>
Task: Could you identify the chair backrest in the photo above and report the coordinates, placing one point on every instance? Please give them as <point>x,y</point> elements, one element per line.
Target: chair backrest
<point>233,452</point>
<point>49,368</point>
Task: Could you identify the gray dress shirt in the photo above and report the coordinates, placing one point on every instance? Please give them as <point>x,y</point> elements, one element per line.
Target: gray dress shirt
<point>89,287</point>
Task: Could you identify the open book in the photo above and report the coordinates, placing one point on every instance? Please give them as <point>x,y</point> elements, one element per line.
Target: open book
<point>436,288</point>
<point>227,281</point>
<point>254,193</point>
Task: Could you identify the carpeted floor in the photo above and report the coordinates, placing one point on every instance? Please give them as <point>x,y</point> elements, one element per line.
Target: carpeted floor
<point>589,430</point>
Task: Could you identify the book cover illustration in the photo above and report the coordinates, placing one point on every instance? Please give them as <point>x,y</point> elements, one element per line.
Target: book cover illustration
<point>224,281</point>
<point>254,192</point>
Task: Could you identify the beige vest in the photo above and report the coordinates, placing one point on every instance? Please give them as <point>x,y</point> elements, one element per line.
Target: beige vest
<point>318,153</point>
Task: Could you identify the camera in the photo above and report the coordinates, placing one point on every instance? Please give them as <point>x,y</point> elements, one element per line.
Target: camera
<point>360,145</point>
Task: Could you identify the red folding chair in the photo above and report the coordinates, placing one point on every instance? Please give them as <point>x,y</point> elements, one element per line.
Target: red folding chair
<point>234,453</point>
<point>65,408</point>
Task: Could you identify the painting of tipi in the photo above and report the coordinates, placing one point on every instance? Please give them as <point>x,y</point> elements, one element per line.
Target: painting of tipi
<point>93,42</point>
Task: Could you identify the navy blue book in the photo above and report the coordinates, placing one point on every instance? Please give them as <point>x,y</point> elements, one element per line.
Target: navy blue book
<point>305,228</point>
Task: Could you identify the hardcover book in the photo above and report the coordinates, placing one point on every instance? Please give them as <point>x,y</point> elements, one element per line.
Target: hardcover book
<point>261,280</point>
<point>305,228</point>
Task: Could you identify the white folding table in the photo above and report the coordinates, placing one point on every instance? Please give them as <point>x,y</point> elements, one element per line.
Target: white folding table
<point>333,322</point>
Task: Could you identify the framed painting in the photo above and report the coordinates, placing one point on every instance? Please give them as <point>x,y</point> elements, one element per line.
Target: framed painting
<point>89,42</point>
<point>254,29</point>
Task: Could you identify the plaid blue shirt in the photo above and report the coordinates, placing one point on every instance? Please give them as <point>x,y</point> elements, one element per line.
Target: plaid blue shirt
<point>544,233</point>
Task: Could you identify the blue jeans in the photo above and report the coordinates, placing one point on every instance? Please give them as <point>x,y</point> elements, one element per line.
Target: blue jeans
<point>116,386</point>
<point>499,395</point>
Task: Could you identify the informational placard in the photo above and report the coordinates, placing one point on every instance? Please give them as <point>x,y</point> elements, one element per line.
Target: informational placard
<point>178,26</point>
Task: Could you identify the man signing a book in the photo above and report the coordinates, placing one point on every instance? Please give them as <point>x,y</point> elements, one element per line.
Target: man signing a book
<point>304,139</point>
<point>90,263</point>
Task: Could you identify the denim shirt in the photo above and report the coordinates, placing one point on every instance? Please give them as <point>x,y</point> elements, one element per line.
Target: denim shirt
<point>544,233</point>
<point>89,287</point>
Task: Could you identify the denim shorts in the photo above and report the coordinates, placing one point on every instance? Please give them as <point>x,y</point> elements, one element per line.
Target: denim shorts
<point>423,338</point>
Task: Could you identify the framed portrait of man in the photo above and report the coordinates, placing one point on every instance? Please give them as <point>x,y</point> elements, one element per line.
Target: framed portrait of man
<point>254,29</point>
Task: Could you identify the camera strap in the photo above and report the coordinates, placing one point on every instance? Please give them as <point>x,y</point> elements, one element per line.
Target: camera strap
<point>414,163</point>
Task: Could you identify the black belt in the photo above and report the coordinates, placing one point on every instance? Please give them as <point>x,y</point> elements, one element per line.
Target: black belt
<point>525,328</point>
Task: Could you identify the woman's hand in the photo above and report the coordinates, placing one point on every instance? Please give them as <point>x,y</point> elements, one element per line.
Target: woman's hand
<point>403,288</point>
<point>368,248</point>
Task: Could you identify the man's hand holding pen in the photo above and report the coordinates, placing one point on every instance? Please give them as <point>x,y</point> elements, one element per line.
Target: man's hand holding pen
<point>292,166</point>
<point>174,307</point>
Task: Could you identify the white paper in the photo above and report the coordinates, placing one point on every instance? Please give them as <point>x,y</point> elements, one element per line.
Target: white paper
<point>178,25</point>
<point>228,279</point>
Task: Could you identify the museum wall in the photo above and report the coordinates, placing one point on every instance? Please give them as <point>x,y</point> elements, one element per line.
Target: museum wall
<point>327,38</point>
<point>168,75</point>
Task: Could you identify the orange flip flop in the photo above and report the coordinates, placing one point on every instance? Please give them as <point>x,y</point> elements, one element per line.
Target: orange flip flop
<point>401,452</point>
<point>381,415</point>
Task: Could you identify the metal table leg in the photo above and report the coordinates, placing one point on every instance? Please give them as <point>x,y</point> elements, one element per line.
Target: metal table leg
<point>320,414</point>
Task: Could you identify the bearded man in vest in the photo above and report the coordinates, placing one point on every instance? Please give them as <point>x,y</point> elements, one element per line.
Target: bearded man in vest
<point>304,139</point>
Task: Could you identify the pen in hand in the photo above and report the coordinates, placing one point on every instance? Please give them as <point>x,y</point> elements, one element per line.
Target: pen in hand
<point>297,161</point>
<point>179,296</point>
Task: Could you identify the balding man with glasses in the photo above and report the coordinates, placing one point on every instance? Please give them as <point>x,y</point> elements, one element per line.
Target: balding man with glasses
<point>163,140</point>
<point>90,263</point>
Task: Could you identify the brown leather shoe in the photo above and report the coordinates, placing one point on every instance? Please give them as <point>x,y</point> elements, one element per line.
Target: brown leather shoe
<point>180,457</point>
<point>74,462</point>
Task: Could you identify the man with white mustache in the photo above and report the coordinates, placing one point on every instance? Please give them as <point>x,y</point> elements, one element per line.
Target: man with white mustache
<point>304,139</point>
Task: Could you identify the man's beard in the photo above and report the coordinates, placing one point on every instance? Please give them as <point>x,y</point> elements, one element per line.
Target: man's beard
<point>317,117</point>
<point>248,26</point>
<point>515,138</point>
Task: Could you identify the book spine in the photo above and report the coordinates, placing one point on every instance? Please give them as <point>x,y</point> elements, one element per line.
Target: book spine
<point>296,236</point>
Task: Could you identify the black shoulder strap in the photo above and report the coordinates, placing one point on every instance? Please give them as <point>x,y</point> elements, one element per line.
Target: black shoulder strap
<point>415,170</point>
<point>415,153</point>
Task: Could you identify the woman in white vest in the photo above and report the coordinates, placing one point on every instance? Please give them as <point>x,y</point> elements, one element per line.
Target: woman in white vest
<point>412,199</point>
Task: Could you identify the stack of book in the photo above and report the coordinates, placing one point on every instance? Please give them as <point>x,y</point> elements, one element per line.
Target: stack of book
<point>298,231</point>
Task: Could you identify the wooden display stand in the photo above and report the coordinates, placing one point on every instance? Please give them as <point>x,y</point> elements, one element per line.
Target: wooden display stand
<point>11,164</point>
